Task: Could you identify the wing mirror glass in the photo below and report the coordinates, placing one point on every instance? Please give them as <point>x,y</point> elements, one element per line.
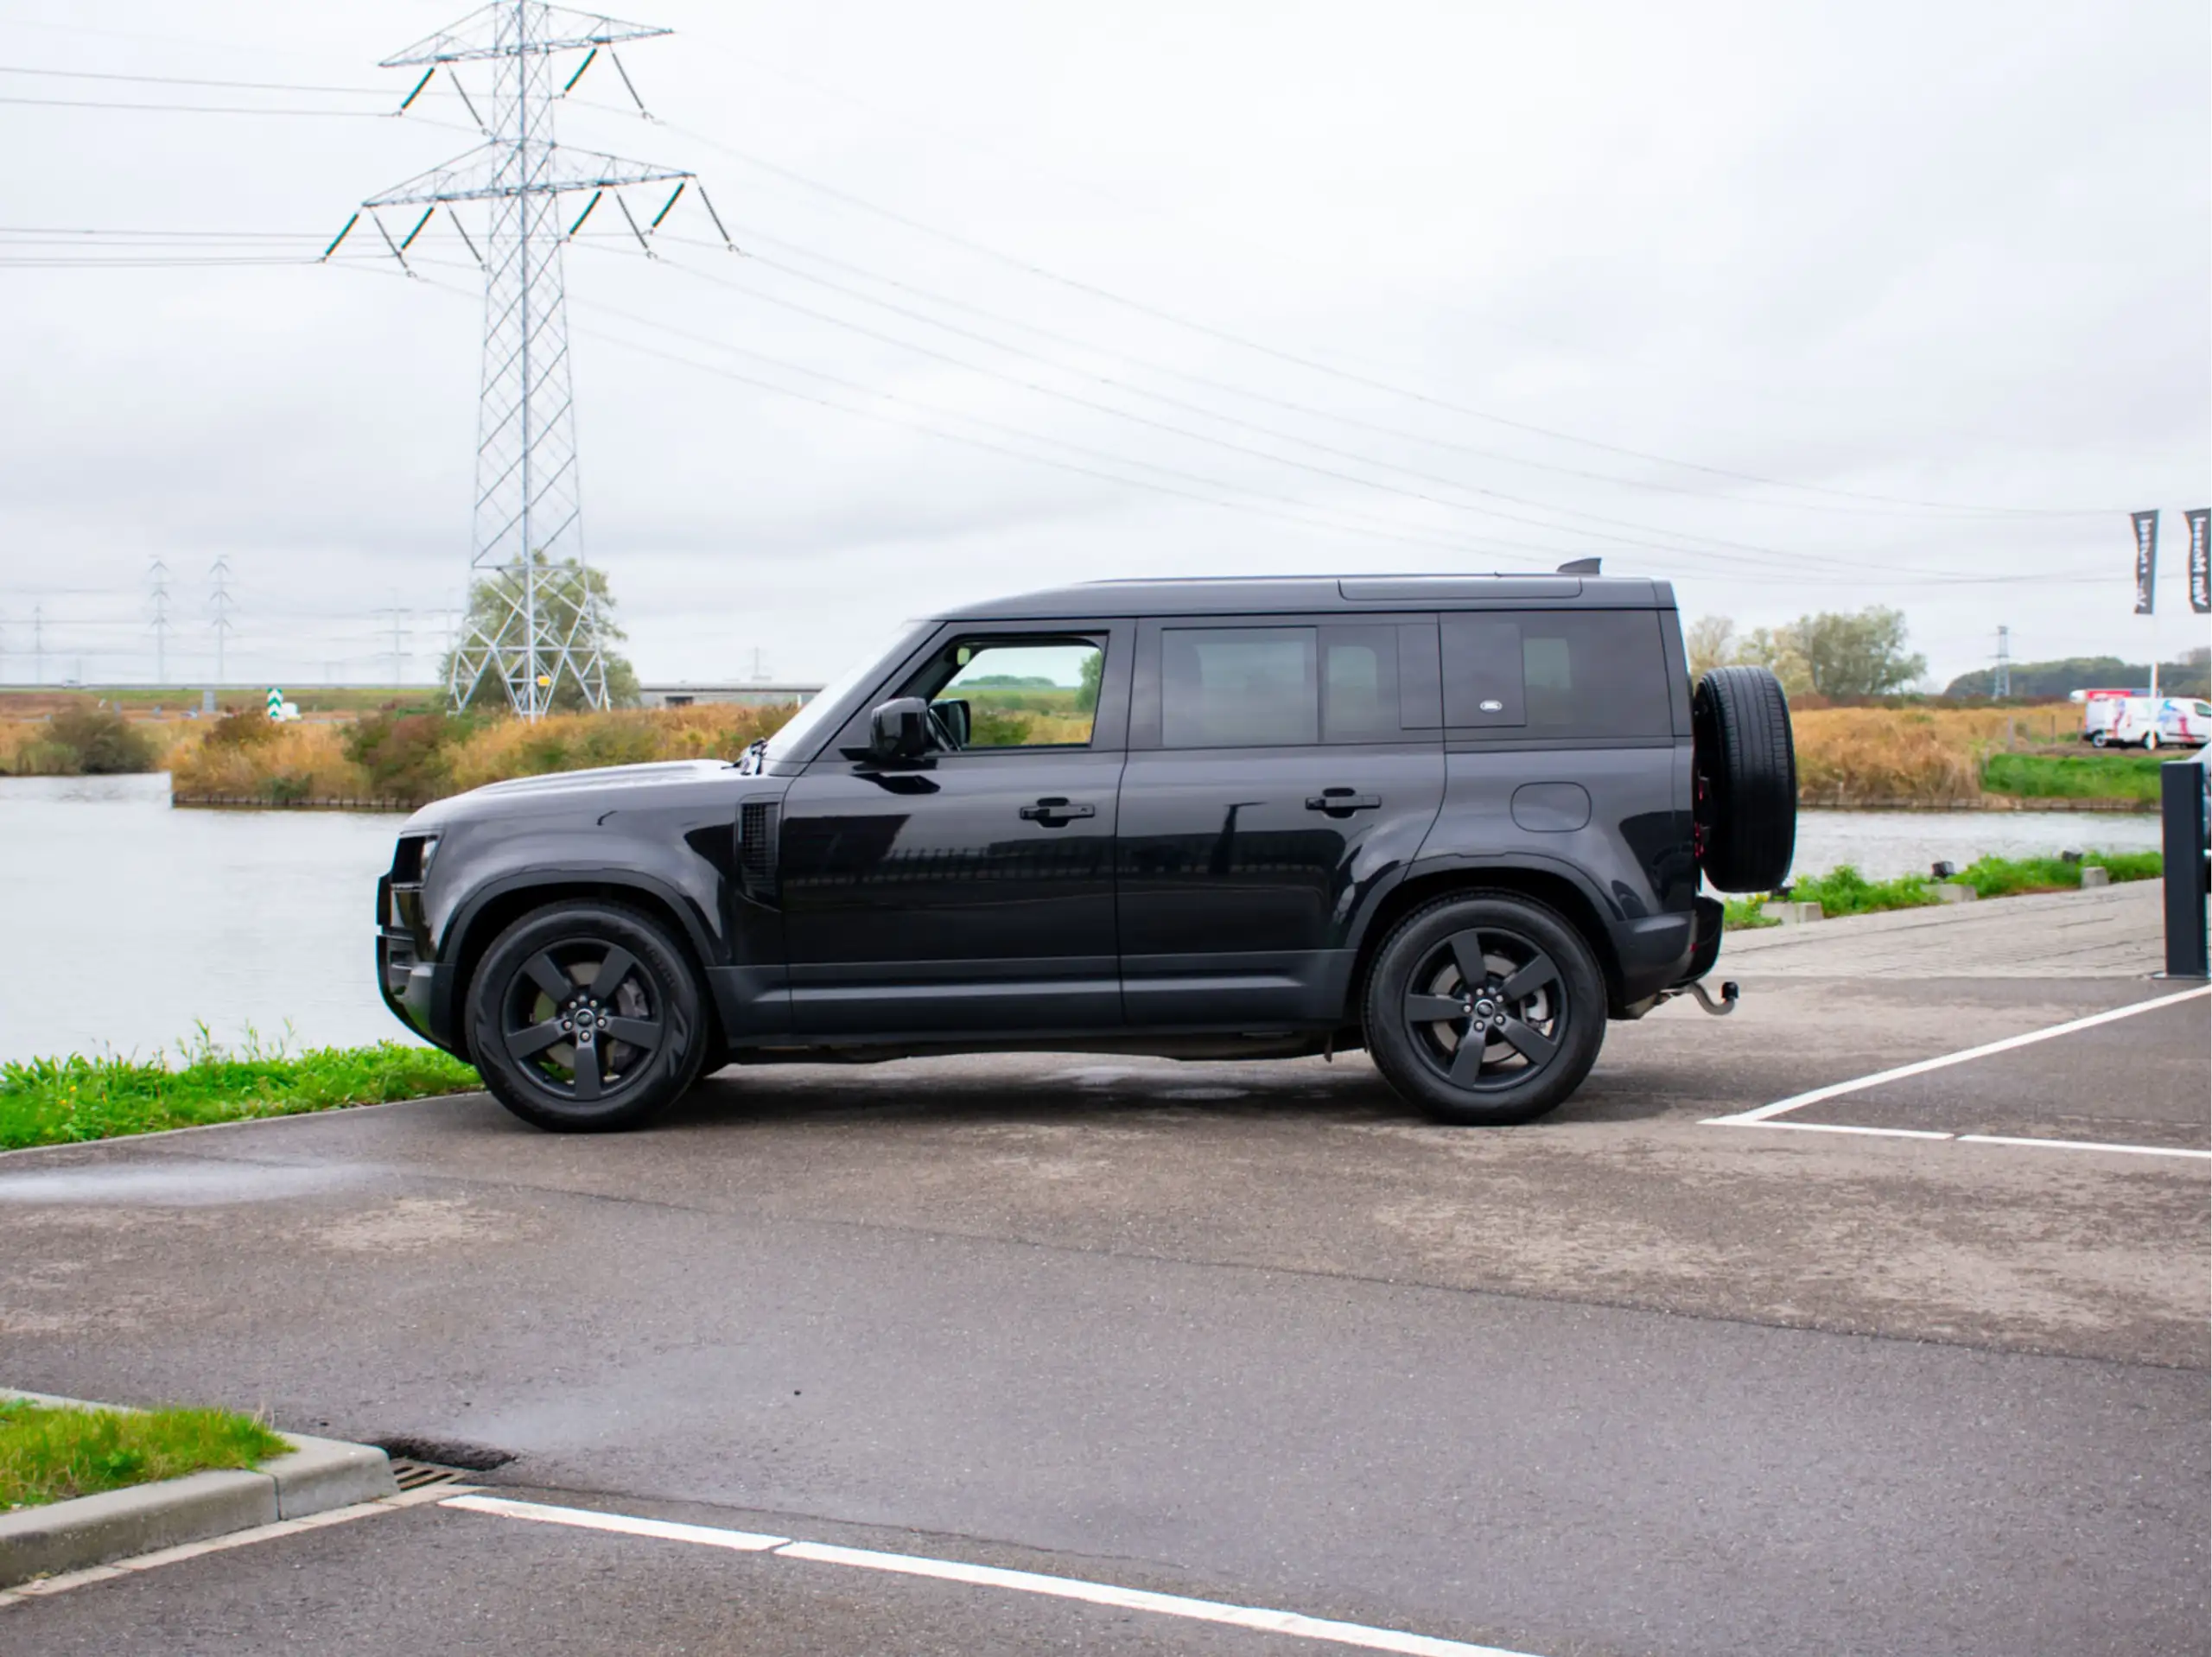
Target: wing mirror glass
<point>900,729</point>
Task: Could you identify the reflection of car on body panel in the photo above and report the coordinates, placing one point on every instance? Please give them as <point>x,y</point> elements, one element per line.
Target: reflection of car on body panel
<point>1459,822</point>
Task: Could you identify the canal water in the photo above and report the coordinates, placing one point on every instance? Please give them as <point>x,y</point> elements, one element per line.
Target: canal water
<point>136,923</point>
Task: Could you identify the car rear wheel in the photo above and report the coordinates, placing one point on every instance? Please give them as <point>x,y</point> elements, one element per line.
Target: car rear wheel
<point>1485,1010</point>
<point>584,1017</point>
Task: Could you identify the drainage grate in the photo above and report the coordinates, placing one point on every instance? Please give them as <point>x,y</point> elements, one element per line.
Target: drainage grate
<point>414,1475</point>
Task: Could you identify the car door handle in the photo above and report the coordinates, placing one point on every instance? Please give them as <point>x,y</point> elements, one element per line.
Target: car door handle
<point>1055,812</point>
<point>1343,801</point>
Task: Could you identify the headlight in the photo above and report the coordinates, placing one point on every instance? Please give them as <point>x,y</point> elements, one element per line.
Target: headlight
<point>429,852</point>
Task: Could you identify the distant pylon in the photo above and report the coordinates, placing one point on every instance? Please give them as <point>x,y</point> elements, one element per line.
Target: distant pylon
<point>159,578</point>
<point>528,514</point>
<point>218,609</point>
<point>2000,682</point>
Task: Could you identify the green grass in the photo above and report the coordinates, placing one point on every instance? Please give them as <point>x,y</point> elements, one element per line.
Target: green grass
<point>1844,890</point>
<point>64,1101</point>
<point>50,1454</point>
<point>2073,777</point>
<point>2005,877</point>
<point>1746,914</point>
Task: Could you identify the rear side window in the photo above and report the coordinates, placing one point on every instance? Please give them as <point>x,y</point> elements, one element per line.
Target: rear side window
<point>1283,687</point>
<point>1238,687</point>
<point>1565,674</point>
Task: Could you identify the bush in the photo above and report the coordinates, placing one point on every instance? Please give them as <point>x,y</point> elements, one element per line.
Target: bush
<point>239,729</point>
<point>406,755</point>
<point>97,742</point>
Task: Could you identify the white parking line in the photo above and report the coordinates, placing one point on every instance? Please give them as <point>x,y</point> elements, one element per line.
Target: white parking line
<point>1295,1624</point>
<point>1965,1139</point>
<point>1797,1101</point>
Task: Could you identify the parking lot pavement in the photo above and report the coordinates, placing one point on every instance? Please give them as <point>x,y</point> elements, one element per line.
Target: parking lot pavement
<point>1618,1381</point>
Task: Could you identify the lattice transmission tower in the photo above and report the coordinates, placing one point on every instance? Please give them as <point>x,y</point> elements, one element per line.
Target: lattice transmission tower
<point>545,622</point>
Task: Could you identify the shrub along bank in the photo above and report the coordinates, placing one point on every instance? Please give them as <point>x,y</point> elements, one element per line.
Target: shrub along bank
<point>410,758</point>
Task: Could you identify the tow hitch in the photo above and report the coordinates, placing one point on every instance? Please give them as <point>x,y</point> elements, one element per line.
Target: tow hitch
<point>1720,1009</point>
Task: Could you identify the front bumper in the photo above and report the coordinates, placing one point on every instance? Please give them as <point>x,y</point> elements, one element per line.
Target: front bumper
<point>408,983</point>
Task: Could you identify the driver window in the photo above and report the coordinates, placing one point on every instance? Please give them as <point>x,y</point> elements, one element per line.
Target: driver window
<point>1019,692</point>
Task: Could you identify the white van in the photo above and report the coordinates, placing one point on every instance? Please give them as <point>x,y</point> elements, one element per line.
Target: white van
<point>2167,723</point>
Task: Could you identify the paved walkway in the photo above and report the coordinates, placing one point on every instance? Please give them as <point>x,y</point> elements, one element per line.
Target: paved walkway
<point>2110,932</point>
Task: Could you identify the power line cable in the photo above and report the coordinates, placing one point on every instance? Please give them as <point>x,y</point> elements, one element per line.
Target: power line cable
<point>1315,366</point>
<point>1646,537</point>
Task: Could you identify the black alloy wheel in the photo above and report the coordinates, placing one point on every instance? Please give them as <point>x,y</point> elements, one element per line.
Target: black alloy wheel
<point>586,1017</point>
<point>1485,1009</point>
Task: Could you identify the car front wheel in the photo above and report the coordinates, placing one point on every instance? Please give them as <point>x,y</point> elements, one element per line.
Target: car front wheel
<point>584,1017</point>
<point>1485,1010</point>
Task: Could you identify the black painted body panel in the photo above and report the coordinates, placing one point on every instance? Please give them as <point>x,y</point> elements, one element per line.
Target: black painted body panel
<point>893,907</point>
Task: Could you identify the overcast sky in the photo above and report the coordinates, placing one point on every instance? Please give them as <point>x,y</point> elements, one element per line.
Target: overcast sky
<point>1802,306</point>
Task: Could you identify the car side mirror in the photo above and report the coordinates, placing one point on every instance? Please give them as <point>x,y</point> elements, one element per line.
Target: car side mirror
<point>900,729</point>
<point>953,713</point>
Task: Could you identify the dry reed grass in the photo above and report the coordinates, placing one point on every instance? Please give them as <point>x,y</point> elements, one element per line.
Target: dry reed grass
<point>579,741</point>
<point>1853,756</point>
<point>293,763</point>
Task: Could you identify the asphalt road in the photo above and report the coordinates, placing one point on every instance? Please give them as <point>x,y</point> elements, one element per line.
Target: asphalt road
<point>1617,1382</point>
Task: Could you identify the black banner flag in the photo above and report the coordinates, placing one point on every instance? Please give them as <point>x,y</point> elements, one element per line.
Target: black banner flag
<point>2200,562</point>
<point>2147,560</point>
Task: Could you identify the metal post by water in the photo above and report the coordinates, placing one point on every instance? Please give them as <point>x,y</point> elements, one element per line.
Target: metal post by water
<point>2182,801</point>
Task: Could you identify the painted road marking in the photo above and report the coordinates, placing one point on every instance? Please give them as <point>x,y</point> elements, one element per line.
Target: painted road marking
<point>1797,1101</point>
<point>738,1541</point>
<point>39,1588</point>
<point>1968,1139</point>
<point>1298,1625</point>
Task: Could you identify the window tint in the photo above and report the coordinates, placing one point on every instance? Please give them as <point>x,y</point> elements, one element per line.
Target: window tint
<point>1238,687</point>
<point>1563,674</point>
<point>1019,693</point>
<point>1359,684</point>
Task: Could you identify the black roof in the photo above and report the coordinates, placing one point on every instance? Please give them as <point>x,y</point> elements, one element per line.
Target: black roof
<point>1301,595</point>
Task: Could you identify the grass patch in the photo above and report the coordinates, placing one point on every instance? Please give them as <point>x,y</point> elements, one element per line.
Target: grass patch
<point>66,1100</point>
<point>1746,914</point>
<point>49,1453</point>
<point>2073,777</point>
<point>2006,877</point>
<point>1845,891</point>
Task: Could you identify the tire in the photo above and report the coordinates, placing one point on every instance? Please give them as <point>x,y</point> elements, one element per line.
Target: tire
<point>2100,740</point>
<point>2150,740</point>
<point>538,987</point>
<point>1746,779</point>
<point>1535,971</point>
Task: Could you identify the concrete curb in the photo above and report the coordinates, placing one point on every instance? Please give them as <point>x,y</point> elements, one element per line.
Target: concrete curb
<point>321,1474</point>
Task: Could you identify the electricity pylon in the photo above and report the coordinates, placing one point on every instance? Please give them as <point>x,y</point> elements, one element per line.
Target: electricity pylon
<point>528,514</point>
<point>158,576</point>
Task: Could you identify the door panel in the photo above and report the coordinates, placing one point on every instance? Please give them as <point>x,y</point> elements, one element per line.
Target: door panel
<point>966,895</point>
<point>1240,872</point>
<point>1282,771</point>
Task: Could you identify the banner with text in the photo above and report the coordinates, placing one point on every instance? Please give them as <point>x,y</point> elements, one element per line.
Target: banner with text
<point>2147,560</point>
<point>2200,562</point>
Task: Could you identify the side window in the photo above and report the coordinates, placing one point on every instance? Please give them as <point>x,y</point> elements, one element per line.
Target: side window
<point>1359,684</point>
<point>1238,687</point>
<point>1564,674</point>
<point>1005,692</point>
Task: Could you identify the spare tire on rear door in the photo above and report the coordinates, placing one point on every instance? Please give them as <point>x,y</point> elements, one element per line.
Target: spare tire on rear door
<point>1747,769</point>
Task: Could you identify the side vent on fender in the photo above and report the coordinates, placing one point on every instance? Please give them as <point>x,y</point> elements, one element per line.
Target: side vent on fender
<point>759,828</point>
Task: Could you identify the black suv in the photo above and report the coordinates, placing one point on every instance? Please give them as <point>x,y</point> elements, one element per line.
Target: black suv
<point>1456,821</point>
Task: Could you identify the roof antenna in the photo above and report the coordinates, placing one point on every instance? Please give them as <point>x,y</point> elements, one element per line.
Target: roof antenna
<point>1581,566</point>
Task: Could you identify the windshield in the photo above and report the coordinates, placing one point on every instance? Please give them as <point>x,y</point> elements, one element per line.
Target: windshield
<point>801,734</point>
